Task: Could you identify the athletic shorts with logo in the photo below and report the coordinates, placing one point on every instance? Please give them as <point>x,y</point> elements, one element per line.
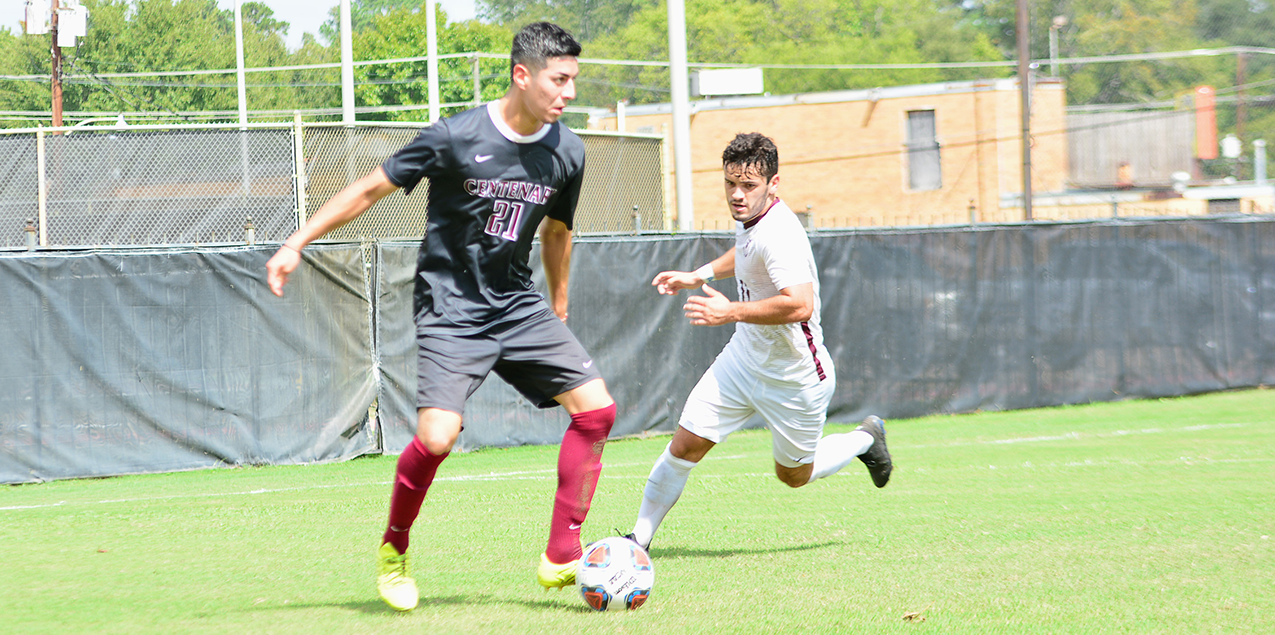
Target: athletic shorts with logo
<point>536,354</point>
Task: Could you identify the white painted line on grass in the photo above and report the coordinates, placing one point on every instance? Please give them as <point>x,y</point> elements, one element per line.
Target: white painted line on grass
<point>491,476</point>
<point>1071,436</point>
<point>539,474</point>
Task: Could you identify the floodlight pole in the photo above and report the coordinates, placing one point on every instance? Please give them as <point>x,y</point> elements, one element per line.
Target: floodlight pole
<point>347,66</point>
<point>431,62</point>
<point>57,68</point>
<point>239,64</point>
<point>1024,90</point>
<point>681,113</point>
<point>243,99</point>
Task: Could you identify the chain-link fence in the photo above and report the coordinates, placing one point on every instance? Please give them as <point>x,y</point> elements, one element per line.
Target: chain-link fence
<point>623,189</point>
<point>335,156</point>
<point>168,187</point>
<point>208,184</point>
<point>19,189</point>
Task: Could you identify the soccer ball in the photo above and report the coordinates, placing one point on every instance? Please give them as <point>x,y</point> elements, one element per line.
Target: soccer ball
<point>614,574</point>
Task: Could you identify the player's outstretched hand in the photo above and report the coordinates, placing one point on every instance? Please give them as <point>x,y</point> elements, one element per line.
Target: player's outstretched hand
<point>280,266</point>
<point>710,309</point>
<point>670,282</point>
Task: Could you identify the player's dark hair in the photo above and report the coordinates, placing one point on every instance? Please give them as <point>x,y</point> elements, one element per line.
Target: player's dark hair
<point>538,42</point>
<point>753,150</point>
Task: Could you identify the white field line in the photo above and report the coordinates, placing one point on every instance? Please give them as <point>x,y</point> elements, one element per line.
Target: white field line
<point>539,474</point>
<point>1076,435</point>
<point>522,475</point>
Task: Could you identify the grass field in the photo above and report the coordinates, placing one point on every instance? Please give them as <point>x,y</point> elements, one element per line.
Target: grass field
<point>1135,517</point>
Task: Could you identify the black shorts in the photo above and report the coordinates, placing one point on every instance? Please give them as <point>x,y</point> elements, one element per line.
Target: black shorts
<point>537,355</point>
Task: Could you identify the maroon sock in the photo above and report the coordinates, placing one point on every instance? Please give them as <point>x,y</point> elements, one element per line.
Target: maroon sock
<point>416,468</point>
<point>579,465</point>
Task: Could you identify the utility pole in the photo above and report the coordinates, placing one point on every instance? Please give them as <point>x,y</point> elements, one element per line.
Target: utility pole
<point>681,114</point>
<point>431,61</point>
<point>240,82</point>
<point>1024,87</point>
<point>57,68</point>
<point>347,66</point>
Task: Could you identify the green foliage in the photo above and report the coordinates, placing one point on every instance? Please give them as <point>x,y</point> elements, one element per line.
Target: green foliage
<point>1150,516</point>
<point>362,14</point>
<point>822,32</point>
<point>262,17</point>
<point>401,33</point>
<point>587,20</point>
<point>165,35</point>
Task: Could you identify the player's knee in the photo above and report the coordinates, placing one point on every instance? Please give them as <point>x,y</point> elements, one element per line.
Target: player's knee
<point>437,442</point>
<point>438,446</point>
<point>793,478</point>
<point>438,430</point>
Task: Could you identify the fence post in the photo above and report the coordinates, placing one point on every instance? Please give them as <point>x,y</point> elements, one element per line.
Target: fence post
<point>666,173</point>
<point>298,166</point>
<point>478,82</point>
<point>43,203</point>
<point>1259,161</point>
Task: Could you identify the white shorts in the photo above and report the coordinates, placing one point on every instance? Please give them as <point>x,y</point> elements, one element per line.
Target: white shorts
<point>728,395</point>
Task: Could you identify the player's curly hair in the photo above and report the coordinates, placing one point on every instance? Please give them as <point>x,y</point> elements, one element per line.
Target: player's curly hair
<point>753,150</point>
<point>537,42</point>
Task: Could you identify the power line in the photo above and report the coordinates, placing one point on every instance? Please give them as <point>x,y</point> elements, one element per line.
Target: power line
<point>1095,59</point>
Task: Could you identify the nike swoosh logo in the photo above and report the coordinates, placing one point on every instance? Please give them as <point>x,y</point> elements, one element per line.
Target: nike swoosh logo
<point>573,526</point>
<point>479,158</point>
<point>588,364</point>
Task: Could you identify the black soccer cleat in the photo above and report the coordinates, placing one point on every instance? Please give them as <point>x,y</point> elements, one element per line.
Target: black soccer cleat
<point>633,539</point>
<point>877,458</point>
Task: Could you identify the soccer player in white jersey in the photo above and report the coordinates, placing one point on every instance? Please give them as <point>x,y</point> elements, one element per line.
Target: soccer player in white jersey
<point>775,365</point>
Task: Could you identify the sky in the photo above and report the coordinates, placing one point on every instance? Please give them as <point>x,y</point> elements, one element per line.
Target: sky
<point>304,16</point>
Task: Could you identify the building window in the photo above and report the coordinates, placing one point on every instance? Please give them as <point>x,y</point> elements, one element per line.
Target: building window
<point>924,168</point>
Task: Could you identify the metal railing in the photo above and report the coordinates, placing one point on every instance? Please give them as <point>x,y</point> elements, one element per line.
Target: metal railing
<point>184,184</point>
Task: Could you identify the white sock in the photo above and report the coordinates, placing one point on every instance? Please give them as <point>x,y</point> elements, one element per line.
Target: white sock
<point>663,487</point>
<point>836,451</point>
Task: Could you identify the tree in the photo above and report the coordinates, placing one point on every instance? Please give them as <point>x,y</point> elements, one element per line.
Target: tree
<point>149,35</point>
<point>1097,28</point>
<point>587,20</point>
<point>791,32</point>
<point>402,33</point>
<point>262,17</point>
<point>362,14</point>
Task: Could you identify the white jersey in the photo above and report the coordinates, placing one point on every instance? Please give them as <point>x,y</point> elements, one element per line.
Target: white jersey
<point>772,252</point>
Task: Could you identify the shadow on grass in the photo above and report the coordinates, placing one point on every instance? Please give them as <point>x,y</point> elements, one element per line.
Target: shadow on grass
<point>373,607</point>
<point>682,552</point>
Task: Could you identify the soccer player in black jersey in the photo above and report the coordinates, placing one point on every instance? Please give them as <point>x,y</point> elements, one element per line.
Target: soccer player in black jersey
<point>497,173</point>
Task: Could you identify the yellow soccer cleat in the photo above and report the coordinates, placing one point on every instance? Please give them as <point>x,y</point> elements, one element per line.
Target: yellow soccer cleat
<point>396,587</point>
<point>556,576</point>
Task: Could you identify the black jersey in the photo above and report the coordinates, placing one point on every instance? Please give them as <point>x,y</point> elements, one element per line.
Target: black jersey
<point>489,188</point>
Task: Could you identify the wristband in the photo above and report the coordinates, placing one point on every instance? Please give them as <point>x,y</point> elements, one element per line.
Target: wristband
<point>290,247</point>
<point>706,272</point>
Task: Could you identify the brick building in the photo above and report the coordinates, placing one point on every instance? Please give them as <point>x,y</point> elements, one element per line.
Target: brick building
<point>905,155</point>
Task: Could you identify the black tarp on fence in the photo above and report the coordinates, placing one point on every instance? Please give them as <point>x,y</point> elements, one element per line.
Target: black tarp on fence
<point>133,361</point>
<point>141,361</point>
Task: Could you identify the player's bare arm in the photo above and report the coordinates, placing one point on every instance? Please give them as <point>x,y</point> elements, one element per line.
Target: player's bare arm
<point>670,282</point>
<point>342,208</point>
<point>555,254</point>
<point>793,304</point>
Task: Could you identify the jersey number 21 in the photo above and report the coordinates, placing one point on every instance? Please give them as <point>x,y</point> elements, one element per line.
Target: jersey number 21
<point>504,220</point>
